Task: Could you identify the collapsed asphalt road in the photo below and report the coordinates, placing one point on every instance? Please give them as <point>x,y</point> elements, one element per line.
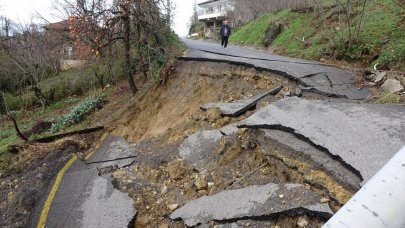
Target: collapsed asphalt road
<point>316,77</point>
<point>364,137</point>
<point>258,160</point>
<point>85,196</point>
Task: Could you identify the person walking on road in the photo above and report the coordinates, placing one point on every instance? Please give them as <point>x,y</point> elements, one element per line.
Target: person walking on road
<point>225,32</point>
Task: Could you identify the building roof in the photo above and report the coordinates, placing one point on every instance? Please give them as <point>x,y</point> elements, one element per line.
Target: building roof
<point>59,26</point>
<point>206,1</point>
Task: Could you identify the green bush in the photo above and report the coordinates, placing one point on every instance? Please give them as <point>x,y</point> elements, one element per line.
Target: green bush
<point>158,59</point>
<point>79,112</point>
<point>196,27</point>
<point>84,82</point>
<point>16,102</point>
<point>62,90</point>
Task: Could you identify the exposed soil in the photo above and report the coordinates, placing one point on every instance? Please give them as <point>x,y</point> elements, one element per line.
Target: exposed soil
<point>175,107</point>
<point>166,115</point>
<point>158,120</point>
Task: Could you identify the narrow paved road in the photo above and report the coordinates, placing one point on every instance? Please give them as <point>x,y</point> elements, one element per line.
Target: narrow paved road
<point>85,196</point>
<point>314,76</point>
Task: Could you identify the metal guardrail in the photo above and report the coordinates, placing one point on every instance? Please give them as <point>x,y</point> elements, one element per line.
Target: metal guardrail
<point>379,203</point>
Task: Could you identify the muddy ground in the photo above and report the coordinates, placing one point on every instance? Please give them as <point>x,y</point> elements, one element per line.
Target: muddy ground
<point>161,182</point>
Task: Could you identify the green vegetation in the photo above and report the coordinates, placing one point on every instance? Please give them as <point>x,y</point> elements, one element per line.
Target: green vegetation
<point>67,83</point>
<point>7,137</point>
<point>197,27</point>
<point>380,40</point>
<point>79,112</point>
<point>389,98</point>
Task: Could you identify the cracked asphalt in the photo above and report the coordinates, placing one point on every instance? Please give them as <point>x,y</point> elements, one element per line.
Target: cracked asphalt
<point>86,196</point>
<point>315,76</point>
<point>364,137</point>
<point>361,138</point>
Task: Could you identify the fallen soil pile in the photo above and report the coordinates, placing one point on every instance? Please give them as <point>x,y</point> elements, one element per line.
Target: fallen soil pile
<point>168,120</point>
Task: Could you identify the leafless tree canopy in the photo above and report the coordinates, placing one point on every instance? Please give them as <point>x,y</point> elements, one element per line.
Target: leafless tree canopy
<point>140,27</point>
<point>28,57</point>
<point>247,10</point>
<point>100,23</point>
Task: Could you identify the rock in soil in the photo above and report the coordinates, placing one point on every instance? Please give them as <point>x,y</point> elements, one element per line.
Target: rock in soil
<point>392,86</point>
<point>177,169</point>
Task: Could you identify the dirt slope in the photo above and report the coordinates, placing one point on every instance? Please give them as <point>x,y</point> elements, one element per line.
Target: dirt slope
<point>160,121</point>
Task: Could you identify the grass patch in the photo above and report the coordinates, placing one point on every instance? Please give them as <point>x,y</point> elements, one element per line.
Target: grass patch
<point>381,39</point>
<point>4,142</point>
<point>389,98</point>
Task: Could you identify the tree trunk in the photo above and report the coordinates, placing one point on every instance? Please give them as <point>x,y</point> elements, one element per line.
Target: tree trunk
<point>127,44</point>
<point>38,93</point>
<point>100,79</point>
<point>17,129</point>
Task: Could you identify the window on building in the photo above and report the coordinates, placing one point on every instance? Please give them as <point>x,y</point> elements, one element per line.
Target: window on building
<point>219,8</point>
<point>210,10</point>
<point>68,50</point>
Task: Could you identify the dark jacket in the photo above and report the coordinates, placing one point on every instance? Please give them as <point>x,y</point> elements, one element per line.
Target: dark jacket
<point>221,31</point>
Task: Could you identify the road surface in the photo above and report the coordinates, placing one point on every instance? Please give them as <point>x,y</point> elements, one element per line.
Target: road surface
<point>315,76</point>
<point>85,196</point>
<point>361,137</point>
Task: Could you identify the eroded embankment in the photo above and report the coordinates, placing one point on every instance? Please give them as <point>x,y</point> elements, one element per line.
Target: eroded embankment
<point>175,107</point>
<point>159,123</point>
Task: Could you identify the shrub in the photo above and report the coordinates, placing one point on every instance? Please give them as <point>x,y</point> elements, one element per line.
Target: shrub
<point>19,102</point>
<point>79,112</point>
<point>62,90</point>
<point>158,59</point>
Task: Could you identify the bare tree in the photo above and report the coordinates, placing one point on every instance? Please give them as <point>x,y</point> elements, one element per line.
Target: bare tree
<point>347,11</point>
<point>125,16</point>
<point>5,26</point>
<point>100,24</point>
<point>4,111</point>
<point>29,51</point>
<point>93,28</point>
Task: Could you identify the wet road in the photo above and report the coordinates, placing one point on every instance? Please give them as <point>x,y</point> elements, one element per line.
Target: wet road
<point>314,76</point>
<point>85,195</point>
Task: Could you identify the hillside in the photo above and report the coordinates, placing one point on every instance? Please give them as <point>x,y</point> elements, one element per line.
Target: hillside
<point>306,33</point>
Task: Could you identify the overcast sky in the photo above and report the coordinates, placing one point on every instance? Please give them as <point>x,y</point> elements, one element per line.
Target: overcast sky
<point>23,10</point>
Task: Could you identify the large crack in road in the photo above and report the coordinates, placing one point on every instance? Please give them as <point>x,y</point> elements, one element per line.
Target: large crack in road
<point>250,138</point>
<point>264,59</point>
<point>337,82</point>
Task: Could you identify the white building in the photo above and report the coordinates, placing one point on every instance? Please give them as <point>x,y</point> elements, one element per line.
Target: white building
<point>213,12</point>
